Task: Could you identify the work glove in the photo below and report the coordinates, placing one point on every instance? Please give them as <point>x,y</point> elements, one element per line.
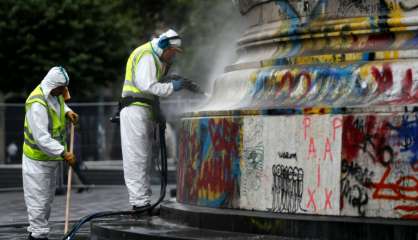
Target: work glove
<point>192,86</point>
<point>69,158</point>
<point>72,116</point>
<point>177,85</point>
<point>171,77</point>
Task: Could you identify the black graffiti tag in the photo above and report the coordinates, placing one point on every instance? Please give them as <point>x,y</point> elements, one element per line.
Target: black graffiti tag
<point>355,194</point>
<point>355,191</point>
<point>287,155</point>
<point>287,189</point>
<point>363,176</point>
<point>407,8</point>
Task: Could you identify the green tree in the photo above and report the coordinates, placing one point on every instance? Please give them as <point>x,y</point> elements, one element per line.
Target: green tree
<point>90,38</point>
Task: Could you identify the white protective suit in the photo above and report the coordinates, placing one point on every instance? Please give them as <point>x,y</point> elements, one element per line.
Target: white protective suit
<point>39,176</point>
<point>137,130</point>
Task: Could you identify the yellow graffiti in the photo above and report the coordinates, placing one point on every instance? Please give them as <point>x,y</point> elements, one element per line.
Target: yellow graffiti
<point>311,111</point>
<point>208,193</point>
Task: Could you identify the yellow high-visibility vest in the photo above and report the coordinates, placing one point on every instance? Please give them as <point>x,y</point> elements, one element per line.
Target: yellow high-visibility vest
<point>56,127</point>
<point>129,87</point>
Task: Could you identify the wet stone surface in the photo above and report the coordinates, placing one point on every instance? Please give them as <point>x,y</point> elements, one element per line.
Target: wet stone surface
<point>146,227</point>
<point>18,232</point>
<point>13,209</point>
<point>13,215</point>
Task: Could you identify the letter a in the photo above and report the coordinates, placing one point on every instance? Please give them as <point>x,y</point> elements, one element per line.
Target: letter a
<point>312,150</point>
<point>327,150</point>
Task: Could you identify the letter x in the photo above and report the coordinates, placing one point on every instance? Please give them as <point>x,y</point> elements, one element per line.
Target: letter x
<point>328,198</point>
<point>311,199</point>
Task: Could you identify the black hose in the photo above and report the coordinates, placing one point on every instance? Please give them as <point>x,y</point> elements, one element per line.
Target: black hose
<point>163,173</point>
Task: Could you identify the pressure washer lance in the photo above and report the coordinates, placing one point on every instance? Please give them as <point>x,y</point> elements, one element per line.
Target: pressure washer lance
<point>188,84</point>
<point>193,87</point>
<point>163,171</point>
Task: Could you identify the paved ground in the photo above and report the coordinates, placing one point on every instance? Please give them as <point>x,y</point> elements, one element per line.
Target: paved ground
<point>13,216</point>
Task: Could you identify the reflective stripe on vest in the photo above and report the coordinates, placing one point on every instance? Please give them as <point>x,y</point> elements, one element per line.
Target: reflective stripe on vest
<point>129,87</point>
<point>56,126</point>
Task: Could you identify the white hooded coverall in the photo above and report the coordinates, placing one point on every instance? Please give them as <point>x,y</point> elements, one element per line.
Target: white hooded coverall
<point>39,176</point>
<point>137,129</point>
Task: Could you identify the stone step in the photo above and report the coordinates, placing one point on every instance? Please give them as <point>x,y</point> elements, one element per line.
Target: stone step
<point>180,221</point>
<point>154,227</point>
<point>301,226</point>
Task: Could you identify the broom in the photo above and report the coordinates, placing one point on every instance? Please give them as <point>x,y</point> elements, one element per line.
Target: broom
<point>70,173</point>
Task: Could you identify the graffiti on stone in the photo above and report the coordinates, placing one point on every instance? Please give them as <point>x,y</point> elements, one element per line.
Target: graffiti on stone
<point>379,174</point>
<point>206,146</point>
<point>355,182</point>
<point>334,86</point>
<point>407,6</point>
<point>287,155</point>
<point>287,188</point>
<point>252,162</point>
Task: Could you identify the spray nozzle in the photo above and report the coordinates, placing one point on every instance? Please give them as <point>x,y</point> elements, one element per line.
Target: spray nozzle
<point>188,84</point>
<point>192,86</point>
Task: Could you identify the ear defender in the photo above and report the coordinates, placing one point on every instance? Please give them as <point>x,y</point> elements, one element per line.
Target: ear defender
<point>164,41</point>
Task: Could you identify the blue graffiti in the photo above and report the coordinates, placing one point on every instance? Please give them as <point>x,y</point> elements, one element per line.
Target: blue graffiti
<point>220,201</point>
<point>408,132</point>
<point>326,86</point>
<point>262,78</point>
<point>318,10</point>
<point>294,25</point>
<point>411,43</point>
<point>205,141</point>
<point>330,79</point>
<point>288,9</point>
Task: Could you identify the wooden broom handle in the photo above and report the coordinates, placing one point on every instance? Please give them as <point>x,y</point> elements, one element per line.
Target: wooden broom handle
<point>69,179</point>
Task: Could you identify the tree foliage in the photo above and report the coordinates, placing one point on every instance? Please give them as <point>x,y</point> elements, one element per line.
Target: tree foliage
<point>92,39</point>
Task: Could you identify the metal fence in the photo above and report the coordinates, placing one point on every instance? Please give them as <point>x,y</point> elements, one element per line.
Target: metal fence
<point>96,138</point>
<point>96,144</point>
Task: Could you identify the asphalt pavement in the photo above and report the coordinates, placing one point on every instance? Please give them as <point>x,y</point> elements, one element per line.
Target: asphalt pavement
<point>13,215</point>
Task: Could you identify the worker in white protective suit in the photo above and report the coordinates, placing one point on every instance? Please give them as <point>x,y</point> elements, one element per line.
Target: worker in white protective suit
<point>146,66</point>
<point>44,147</point>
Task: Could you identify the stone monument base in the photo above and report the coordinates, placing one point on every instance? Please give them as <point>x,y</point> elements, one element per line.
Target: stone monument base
<point>180,221</point>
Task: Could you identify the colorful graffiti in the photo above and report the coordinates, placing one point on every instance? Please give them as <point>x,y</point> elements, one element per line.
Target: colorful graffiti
<point>359,84</point>
<point>379,166</point>
<point>355,165</point>
<point>323,53</point>
<point>322,103</point>
<point>337,26</point>
<point>209,162</point>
